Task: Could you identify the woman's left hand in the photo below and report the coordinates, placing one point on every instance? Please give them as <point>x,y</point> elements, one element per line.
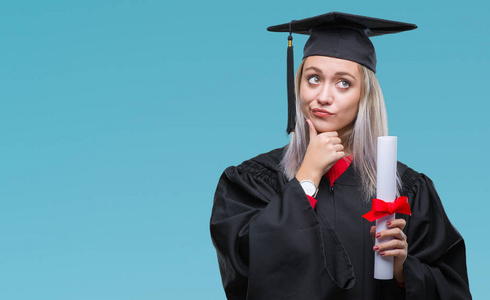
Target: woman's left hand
<point>397,247</point>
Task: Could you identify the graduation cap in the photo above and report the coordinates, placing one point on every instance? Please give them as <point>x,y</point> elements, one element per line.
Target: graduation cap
<point>338,35</point>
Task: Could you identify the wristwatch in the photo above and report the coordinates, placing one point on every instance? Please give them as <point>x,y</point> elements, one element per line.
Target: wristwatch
<point>309,187</point>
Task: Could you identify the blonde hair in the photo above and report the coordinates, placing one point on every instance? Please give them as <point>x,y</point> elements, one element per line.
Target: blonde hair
<point>360,138</point>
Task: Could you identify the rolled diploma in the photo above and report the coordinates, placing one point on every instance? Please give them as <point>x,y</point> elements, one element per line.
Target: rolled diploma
<point>386,191</point>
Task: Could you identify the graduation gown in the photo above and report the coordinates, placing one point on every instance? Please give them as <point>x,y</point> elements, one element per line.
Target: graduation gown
<point>272,244</point>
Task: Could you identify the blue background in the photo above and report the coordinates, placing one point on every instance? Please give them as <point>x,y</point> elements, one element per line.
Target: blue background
<point>118,117</point>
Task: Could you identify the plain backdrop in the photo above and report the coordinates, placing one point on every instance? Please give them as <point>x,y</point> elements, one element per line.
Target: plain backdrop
<point>118,117</point>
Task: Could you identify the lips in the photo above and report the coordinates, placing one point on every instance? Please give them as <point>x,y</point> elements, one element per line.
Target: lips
<point>321,112</point>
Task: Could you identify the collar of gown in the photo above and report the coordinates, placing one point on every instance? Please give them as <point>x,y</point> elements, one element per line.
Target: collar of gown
<point>338,169</point>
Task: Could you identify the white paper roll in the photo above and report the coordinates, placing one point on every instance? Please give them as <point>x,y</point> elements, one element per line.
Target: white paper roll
<point>386,191</point>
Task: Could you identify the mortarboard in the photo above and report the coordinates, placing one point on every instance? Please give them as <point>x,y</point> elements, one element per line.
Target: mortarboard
<point>337,35</point>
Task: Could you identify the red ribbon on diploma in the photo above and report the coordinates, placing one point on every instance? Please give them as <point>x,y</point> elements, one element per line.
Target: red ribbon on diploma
<point>381,208</point>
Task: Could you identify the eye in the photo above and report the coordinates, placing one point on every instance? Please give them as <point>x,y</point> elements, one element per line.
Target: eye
<point>314,79</point>
<point>343,84</point>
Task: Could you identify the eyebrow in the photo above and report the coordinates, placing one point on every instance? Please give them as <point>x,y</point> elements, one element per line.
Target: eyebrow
<point>314,69</point>
<point>336,74</point>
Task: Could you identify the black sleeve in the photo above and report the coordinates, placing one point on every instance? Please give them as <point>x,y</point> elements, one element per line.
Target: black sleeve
<point>270,243</point>
<point>436,264</point>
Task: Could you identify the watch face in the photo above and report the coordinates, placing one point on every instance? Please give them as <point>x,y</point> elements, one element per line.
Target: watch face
<point>308,187</point>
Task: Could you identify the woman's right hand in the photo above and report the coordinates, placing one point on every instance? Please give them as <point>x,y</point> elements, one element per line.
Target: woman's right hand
<point>323,152</point>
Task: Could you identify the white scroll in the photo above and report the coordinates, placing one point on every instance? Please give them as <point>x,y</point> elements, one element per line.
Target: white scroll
<point>386,191</point>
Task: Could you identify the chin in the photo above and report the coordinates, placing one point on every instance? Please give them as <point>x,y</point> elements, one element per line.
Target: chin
<point>322,127</point>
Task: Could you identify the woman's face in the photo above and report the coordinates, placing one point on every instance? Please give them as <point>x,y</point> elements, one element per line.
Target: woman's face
<point>330,90</point>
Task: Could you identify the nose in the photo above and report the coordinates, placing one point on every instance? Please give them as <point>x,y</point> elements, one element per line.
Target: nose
<point>325,96</point>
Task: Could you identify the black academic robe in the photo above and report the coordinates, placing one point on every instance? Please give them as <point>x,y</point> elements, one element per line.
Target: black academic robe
<point>272,244</point>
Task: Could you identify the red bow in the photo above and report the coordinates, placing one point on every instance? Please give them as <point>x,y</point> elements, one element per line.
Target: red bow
<point>381,208</point>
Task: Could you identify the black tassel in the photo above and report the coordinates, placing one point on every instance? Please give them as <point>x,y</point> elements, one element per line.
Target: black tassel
<point>290,79</point>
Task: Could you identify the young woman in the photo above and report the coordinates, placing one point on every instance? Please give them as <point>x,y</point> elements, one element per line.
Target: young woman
<point>287,224</point>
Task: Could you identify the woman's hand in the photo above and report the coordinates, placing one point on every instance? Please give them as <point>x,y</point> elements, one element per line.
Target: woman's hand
<point>323,151</point>
<point>397,247</point>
